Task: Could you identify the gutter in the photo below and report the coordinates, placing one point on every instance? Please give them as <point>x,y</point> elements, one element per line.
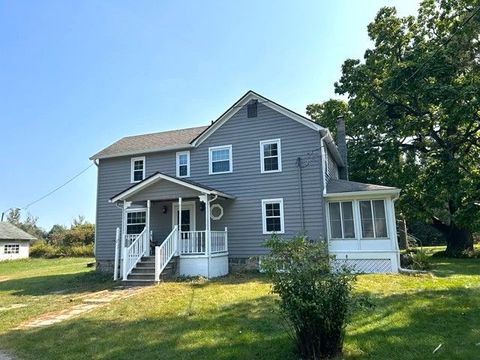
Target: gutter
<point>322,153</point>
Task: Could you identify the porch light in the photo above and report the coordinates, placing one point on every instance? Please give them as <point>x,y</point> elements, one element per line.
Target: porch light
<point>164,209</point>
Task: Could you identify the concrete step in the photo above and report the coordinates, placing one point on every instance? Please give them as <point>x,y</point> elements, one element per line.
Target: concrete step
<point>138,282</point>
<point>143,276</point>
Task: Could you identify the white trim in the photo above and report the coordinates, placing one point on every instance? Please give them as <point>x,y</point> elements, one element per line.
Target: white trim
<point>230,162</point>
<point>262,155</point>
<point>133,190</point>
<point>244,100</point>
<point>177,166</point>
<point>186,205</point>
<point>132,162</point>
<point>264,216</point>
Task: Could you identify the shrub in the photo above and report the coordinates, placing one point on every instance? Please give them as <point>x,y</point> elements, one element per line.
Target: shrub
<point>416,259</point>
<point>315,299</point>
<point>79,250</point>
<point>40,248</point>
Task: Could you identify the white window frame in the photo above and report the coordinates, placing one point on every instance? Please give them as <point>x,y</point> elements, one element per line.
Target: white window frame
<point>264,216</point>
<point>179,153</point>
<point>131,210</point>
<point>262,155</point>
<point>373,220</point>
<point>341,220</point>
<point>10,247</point>
<point>132,164</point>
<point>210,163</point>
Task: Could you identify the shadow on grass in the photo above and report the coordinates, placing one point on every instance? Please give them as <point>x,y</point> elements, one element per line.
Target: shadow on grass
<point>411,326</point>
<point>57,284</point>
<point>444,267</point>
<point>245,330</point>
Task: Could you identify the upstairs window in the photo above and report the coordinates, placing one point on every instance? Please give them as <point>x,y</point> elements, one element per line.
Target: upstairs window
<point>373,219</point>
<point>11,249</point>
<point>341,220</point>
<point>272,216</point>
<point>220,159</point>
<point>271,156</point>
<point>183,164</point>
<point>137,172</point>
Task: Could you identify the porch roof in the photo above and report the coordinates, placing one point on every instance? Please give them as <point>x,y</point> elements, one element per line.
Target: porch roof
<point>154,178</point>
<point>338,187</point>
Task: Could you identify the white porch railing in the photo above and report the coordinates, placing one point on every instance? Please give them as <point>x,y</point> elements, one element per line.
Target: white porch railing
<point>130,238</point>
<point>165,252</point>
<point>134,252</point>
<point>196,242</point>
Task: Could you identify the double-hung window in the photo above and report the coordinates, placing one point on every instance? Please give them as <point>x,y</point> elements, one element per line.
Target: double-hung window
<point>220,159</point>
<point>183,164</point>
<point>137,169</point>
<point>270,156</point>
<point>373,219</point>
<point>341,220</point>
<point>272,216</point>
<point>11,249</point>
<point>136,221</point>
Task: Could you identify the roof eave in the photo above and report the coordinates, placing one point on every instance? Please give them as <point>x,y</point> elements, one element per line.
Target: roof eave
<point>138,152</point>
<point>366,193</point>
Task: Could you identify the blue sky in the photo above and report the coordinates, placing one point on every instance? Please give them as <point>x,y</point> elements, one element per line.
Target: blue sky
<point>77,75</point>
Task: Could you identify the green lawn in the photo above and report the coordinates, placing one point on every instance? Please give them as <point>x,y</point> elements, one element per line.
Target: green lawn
<point>236,317</point>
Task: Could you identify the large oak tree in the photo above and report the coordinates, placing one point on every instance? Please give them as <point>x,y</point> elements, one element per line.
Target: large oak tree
<point>413,114</point>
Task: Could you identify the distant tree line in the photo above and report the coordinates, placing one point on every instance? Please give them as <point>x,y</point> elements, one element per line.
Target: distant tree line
<point>74,240</point>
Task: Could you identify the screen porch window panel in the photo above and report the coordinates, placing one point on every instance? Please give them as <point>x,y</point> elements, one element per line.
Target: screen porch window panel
<point>341,220</point>
<point>373,219</point>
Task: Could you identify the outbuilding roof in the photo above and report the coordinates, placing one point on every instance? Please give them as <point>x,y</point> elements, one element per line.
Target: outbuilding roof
<point>173,139</point>
<point>11,232</point>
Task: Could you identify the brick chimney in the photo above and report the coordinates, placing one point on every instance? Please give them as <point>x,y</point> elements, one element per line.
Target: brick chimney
<point>342,147</point>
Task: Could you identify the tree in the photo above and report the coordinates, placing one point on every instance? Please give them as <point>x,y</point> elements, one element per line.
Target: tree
<point>414,114</point>
<point>29,225</point>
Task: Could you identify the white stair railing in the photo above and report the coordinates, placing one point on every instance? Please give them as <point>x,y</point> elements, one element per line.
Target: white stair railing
<point>134,252</point>
<point>165,252</point>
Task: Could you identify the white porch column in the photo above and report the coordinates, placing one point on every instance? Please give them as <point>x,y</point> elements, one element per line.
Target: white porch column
<point>179,224</point>
<point>123,234</point>
<point>147,225</point>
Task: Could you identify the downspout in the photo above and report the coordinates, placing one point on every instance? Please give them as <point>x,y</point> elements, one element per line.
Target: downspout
<point>322,151</point>
<point>300,189</point>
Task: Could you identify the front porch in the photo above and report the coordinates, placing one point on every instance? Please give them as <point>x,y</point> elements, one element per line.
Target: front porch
<point>156,225</point>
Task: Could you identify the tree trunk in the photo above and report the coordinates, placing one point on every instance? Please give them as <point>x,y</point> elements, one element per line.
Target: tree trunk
<point>402,233</point>
<point>458,239</point>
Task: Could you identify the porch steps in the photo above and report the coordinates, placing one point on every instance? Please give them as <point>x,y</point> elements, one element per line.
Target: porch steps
<point>144,272</point>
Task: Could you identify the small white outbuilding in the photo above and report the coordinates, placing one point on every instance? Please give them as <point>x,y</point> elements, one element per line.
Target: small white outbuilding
<point>14,242</point>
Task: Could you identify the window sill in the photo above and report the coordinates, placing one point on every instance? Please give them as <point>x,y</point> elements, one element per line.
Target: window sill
<point>220,173</point>
<point>271,171</point>
<point>273,232</point>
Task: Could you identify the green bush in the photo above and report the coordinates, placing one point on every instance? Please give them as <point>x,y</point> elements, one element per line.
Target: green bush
<point>41,249</point>
<point>416,259</point>
<point>315,298</point>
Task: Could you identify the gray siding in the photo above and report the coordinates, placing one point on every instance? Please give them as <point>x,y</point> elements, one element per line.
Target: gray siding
<point>242,216</point>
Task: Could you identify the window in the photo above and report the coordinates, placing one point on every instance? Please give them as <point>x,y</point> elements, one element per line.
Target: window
<point>136,221</point>
<point>183,164</point>
<point>220,158</point>
<point>137,170</point>
<point>272,213</point>
<point>373,219</point>
<point>252,109</point>
<point>11,249</point>
<point>341,220</point>
<point>271,156</point>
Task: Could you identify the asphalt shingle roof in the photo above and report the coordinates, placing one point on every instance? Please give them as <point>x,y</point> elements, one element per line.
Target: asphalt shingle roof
<point>150,142</point>
<point>11,232</point>
<point>342,186</point>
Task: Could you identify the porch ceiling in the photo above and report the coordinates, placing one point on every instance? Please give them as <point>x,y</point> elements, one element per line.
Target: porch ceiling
<point>160,186</point>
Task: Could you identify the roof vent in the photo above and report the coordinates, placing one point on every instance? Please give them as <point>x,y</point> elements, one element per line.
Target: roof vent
<point>252,109</point>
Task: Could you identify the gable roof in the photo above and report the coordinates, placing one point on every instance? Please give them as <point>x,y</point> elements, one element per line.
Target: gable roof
<point>152,179</point>
<point>11,232</point>
<point>160,141</point>
<point>191,137</point>
<point>244,100</point>
<point>336,187</point>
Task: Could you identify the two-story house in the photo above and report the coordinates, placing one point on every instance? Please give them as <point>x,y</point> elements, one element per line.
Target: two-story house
<point>209,196</point>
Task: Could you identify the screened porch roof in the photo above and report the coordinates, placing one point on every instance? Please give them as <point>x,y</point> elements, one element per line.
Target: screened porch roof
<point>152,185</point>
<point>346,188</point>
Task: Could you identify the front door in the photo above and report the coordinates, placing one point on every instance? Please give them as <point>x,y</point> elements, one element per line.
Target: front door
<point>188,216</point>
